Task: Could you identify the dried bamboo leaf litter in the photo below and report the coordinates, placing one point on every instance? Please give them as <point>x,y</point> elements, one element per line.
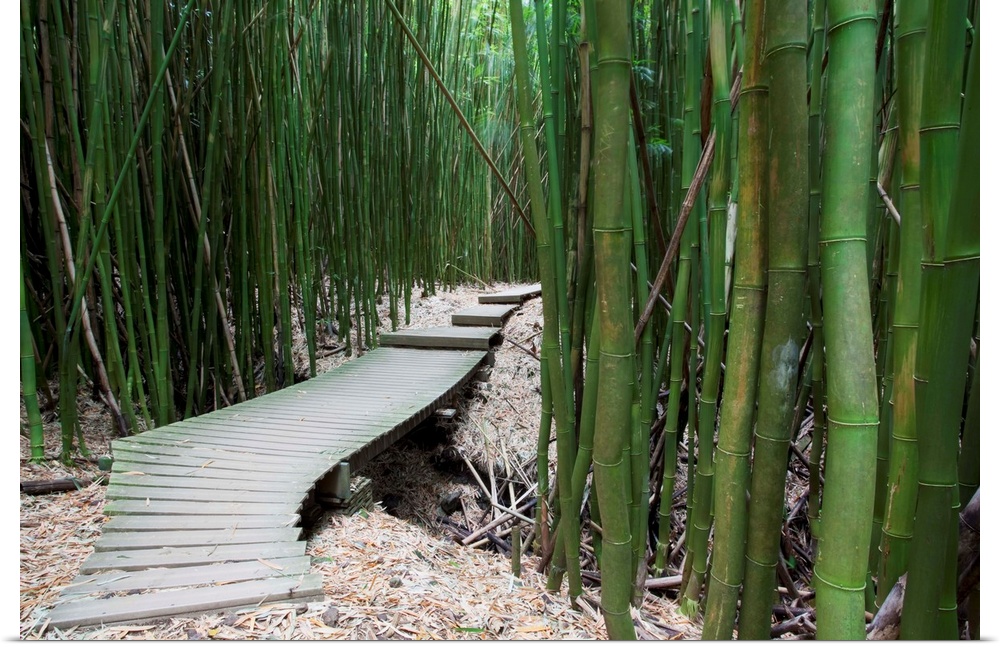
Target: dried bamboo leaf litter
<point>374,578</point>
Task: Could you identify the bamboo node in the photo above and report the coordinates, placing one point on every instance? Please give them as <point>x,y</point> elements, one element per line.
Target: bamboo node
<point>837,586</point>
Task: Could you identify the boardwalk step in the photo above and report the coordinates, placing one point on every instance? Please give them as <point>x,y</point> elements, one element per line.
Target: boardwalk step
<point>443,337</point>
<point>214,508</point>
<point>154,522</point>
<point>171,578</point>
<point>513,295</point>
<point>247,483</point>
<point>204,455</point>
<point>187,601</point>
<point>128,540</point>
<point>483,315</point>
<point>134,560</point>
<point>194,495</point>
<point>210,472</point>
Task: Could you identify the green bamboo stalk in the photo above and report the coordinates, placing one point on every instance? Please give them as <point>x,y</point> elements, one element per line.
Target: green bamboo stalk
<point>161,363</point>
<point>968,458</point>
<point>817,50</point>
<point>701,520</point>
<point>950,206</point>
<point>32,102</point>
<point>565,441</point>
<point>743,352</point>
<point>550,334</point>
<point>28,383</point>
<point>901,491</point>
<point>682,289</point>
<point>848,496</point>
<point>643,396</point>
<point>784,327</point>
<point>612,249</point>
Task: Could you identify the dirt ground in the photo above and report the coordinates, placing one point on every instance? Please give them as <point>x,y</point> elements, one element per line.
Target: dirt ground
<point>385,576</point>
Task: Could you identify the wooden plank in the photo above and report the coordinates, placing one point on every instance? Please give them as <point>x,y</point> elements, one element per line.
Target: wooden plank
<point>152,443</point>
<point>492,315</point>
<point>115,540</point>
<point>269,429</point>
<point>216,460</point>
<point>165,578</point>
<point>186,602</point>
<point>147,480</point>
<point>211,453</point>
<point>234,471</point>
<point>137,560</point>
<point>213,508</point>
<point>154,522</point>
<point>216,436</point>
<point>513,295</point>
<point>443,337</point>
<point>196,495</point>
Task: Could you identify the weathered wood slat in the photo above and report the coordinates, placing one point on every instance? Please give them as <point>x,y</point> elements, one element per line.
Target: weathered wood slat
<point>113,540</point>
<point>150,522</point>
<point>162,507</point>
<point>234,471</point>
<point>147,480</point>
<point>183,443</point>
<point>166,578</point>
<point>210,453</point>
<point>513,295</point>
<point>216,459</point>
<point>443,337</point>
<point>187,601</point>
<point>197,495</point>
<point>264,429</point>
<point>135,560</point>
<point>492,315</point>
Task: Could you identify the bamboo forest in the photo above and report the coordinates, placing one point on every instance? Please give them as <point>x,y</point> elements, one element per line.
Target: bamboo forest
<point>755,226</point>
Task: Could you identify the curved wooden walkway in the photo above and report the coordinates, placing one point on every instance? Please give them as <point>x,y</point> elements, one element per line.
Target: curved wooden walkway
<point>205,512</point>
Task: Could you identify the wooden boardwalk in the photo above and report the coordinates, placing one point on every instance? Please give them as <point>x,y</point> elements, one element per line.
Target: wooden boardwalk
<point>514,295</point>
<point>483,315</point>
<point>205,513</point>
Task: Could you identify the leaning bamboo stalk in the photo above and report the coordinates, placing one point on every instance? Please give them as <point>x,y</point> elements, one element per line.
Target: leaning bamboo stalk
<point>461,117</point>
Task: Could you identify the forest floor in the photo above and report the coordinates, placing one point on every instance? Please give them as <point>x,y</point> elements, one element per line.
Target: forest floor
<point>386,576</point>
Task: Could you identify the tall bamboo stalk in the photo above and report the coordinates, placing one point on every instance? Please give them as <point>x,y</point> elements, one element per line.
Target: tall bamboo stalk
<point>612,249</point>
<point>901,492</point>
<point>743,353</point>
<point>950,207</point>
<point>784,326</point>
<point>848,495</point>
<point>714,264</point>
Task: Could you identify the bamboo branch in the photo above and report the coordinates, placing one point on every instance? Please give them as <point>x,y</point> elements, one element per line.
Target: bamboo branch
<point>888,203</point>
<point>458,113</point>
<point>701,172</point>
